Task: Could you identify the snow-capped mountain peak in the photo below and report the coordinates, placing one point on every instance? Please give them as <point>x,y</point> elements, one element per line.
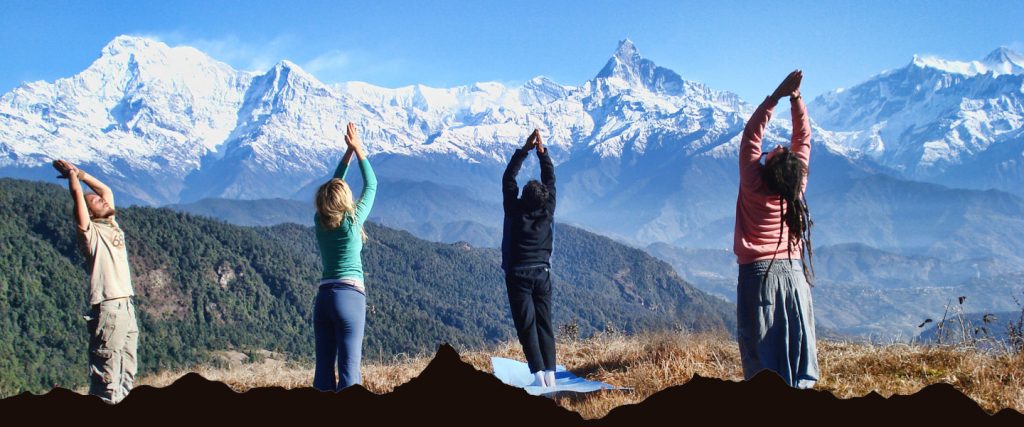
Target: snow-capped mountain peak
<point>999,62</point>
<point>627,70</point>
<point>144,106</point>
<point>141,105</point>
<point>289,70</point>
<point>627,65</point>
<point>165,124</point>
<point>932,116</point>
<point>132,44</point>
<point>148,112</point>
<point>1005,61</point>
<point>625,61</point>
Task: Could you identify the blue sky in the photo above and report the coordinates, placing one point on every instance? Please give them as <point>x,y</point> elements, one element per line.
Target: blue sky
<point>742,46</point>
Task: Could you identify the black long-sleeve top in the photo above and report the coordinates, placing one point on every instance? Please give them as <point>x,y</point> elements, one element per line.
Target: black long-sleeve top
<point>527,236</point>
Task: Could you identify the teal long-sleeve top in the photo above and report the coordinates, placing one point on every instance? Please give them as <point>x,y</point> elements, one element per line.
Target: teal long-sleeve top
<point>340,248</point>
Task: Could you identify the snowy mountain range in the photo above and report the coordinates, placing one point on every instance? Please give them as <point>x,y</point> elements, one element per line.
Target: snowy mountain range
<point>643,154</point>
<point>950,122</point>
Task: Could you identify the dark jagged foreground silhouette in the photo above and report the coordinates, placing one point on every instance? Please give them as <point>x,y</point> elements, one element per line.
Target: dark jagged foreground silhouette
<point>452,392</point>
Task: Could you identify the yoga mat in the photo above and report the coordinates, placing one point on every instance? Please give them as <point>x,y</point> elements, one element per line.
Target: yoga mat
<point>517,374</point>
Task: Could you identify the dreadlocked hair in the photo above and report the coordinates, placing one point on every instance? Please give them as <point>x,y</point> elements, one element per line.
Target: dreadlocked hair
<point>783,174</point>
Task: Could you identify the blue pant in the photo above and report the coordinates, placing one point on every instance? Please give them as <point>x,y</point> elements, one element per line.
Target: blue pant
<point>339,317</point>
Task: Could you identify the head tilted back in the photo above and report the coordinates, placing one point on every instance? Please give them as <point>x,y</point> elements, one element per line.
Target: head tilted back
<point>93,203</point>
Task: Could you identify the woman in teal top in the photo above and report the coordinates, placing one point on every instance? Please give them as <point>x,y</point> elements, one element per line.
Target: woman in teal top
<point>339,314</point>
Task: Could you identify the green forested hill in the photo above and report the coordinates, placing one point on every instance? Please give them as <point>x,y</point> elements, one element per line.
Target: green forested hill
<point>206,285</point>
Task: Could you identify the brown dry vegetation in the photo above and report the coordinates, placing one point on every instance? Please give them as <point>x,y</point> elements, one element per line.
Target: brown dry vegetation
<point>650,363</point>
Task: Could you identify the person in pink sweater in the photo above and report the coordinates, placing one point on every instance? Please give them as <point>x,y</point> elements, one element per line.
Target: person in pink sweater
<point>772,243</point>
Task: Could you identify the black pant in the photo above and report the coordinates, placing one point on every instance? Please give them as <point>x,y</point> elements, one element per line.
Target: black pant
<point>529,295</point>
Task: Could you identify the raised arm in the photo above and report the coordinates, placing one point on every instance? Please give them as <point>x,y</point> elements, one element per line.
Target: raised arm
<point>342,168</point>
<point>82,219</point>
<point>71,173</point>
<point>750,143</point>
<point>369,178</point>
<point>509,186</point>
<point>369,190</point>
<point>801,143</point>
<point>547,169</point>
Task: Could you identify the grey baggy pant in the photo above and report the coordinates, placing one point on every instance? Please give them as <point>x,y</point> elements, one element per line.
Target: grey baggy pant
<point>775,322</point>
<point>113,343</point>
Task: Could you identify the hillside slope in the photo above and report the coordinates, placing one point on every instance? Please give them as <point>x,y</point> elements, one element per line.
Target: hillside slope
<point>205,285</point>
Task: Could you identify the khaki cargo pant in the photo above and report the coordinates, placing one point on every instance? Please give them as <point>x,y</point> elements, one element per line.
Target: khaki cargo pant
<point>113,342</point>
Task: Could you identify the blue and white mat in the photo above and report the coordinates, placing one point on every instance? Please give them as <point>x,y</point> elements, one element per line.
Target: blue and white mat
<point>517,374</point>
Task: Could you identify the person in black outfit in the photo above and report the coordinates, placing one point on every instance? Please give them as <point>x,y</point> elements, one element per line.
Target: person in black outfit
<point>525,252</point>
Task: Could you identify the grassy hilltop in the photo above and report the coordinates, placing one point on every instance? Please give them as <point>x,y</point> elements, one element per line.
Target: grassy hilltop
<point>652,362</point>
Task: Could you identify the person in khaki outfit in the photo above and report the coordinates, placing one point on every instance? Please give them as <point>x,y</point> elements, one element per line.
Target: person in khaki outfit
<point>113,329</point>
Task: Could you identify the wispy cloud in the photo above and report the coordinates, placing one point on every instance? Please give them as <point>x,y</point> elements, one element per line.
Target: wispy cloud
<point>250,55</point>
<point>329,63</point>
<point>338,66</point>
<point>332,66</point>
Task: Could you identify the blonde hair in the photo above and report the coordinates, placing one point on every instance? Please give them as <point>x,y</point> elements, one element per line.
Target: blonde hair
<point>334,204</point>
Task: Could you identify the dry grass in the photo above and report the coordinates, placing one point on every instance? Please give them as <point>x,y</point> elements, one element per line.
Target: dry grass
<point>651,363</point>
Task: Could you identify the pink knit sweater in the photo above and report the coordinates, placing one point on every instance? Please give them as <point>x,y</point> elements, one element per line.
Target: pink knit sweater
<point>758,211</point>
